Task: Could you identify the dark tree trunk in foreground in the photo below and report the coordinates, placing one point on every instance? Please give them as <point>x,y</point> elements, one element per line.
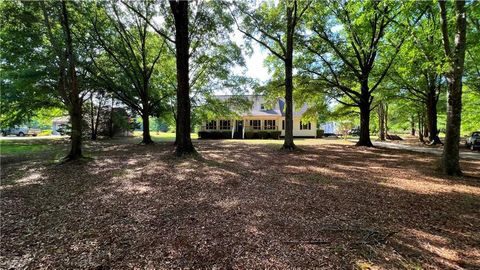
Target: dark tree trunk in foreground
<point>288,143</point>
<point>146,138</point>
<point>364,139</point>
<point>432,117</point>
<point>75,110</point>
<point>364,105</point>
<point>450,159</point>
<point>182,44</point>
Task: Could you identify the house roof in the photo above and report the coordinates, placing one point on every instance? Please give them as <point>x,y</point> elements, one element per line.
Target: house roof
<point>277,110</point>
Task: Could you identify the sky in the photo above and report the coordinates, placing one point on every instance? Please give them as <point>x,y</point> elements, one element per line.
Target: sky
<point>253,63</point>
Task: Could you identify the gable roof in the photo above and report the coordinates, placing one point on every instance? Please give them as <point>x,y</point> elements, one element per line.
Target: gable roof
<point>277,110</point>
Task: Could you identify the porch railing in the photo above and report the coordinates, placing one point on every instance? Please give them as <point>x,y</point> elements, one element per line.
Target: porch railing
<point>245,128</point>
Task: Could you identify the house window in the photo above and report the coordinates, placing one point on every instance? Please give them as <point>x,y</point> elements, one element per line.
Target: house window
<point>255,124</point>
<point>269,125</point>
<point>211,125</point>
<point>262,106</point>
<point>283,124</point>
<point>306,126</point>
<point>225,124</point>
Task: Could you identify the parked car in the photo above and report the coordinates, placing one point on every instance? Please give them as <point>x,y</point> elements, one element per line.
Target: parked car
<point>473,141</point>
<point>354,132</point>
<point>21,131</point>
<point>64,129</point>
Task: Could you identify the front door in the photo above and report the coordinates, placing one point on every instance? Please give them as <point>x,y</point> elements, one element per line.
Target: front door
<point>238,129</point>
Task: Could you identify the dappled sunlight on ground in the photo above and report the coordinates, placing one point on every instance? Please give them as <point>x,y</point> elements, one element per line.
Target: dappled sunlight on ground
<point>239,204</point>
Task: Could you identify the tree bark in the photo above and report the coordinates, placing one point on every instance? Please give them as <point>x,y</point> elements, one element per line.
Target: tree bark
<point>432,116</point>
<point>146,138</point>
<point>381,121</point>
<point>364,106</point>
<point>425,128</point>
<point>412,125</point>
<point>386,118</point>
<point>75,100</point>
<point>420,127</point>
<point>97,119</point>
<point>110,126</point>
<point>364,139</point>
<point>182,45</point>
<point>288,143</point>
<point>93,136</point>
<point>451,159</point>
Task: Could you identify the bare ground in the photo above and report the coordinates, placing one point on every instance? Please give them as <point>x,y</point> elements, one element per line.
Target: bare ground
<point>239,206</point>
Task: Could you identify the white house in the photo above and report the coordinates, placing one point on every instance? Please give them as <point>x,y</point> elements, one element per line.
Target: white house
<point>260,117</point>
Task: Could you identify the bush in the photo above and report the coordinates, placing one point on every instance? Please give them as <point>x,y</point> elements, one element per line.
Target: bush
<point>263,134</point>
<point>250,135</point>
<point>275,134</point>
<point>215,134</point>
<point>320,133</point>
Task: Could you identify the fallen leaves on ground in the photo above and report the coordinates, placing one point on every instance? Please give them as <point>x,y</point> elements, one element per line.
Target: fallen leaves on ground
<point>240,206</point>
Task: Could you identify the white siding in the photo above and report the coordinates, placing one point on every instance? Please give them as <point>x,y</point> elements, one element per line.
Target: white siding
<point>297,132</point>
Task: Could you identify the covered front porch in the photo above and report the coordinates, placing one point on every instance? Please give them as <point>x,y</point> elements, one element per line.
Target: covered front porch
<point>245,128</point>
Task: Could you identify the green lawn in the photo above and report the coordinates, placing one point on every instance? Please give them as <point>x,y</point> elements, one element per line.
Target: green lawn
<point>163,136</point>
<point>29,145</point>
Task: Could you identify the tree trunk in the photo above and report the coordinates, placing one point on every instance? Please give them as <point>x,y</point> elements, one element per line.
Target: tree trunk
<point>381,121</point>
<point>110,126</point>
<point>420,127</point>
<point>432,116</point>
<point>425,128</point>
<point>93,136</point>
<point>146,139</point>
<point>364,139</point>
<point>182,45</point>
<point>288,143</point>
<point>365,116</point>
<point>412,125</point>
<point>75,101</point>
<point>451,159</point>
<point>386,118</point>
<point>97,119</point>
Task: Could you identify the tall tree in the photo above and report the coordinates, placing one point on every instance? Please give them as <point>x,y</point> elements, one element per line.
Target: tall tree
<point>455,58</point>
<point>352,47</point>
<point>182,49</point>
<point>68,88</point>
<point>275,27</point>
<point>126,60</point>
<point>419,68</point>
<point>204,53</point>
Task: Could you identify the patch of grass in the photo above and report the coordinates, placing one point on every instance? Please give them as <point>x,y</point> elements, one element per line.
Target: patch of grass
<point>163,136</point>
<point>27,146</point>
<point>17,149</point>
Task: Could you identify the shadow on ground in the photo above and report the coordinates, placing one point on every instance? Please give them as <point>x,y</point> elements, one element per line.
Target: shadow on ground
<point>240,206</point>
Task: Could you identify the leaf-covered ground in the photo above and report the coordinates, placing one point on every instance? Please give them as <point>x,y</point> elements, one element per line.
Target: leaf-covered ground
<point>236,205</point>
